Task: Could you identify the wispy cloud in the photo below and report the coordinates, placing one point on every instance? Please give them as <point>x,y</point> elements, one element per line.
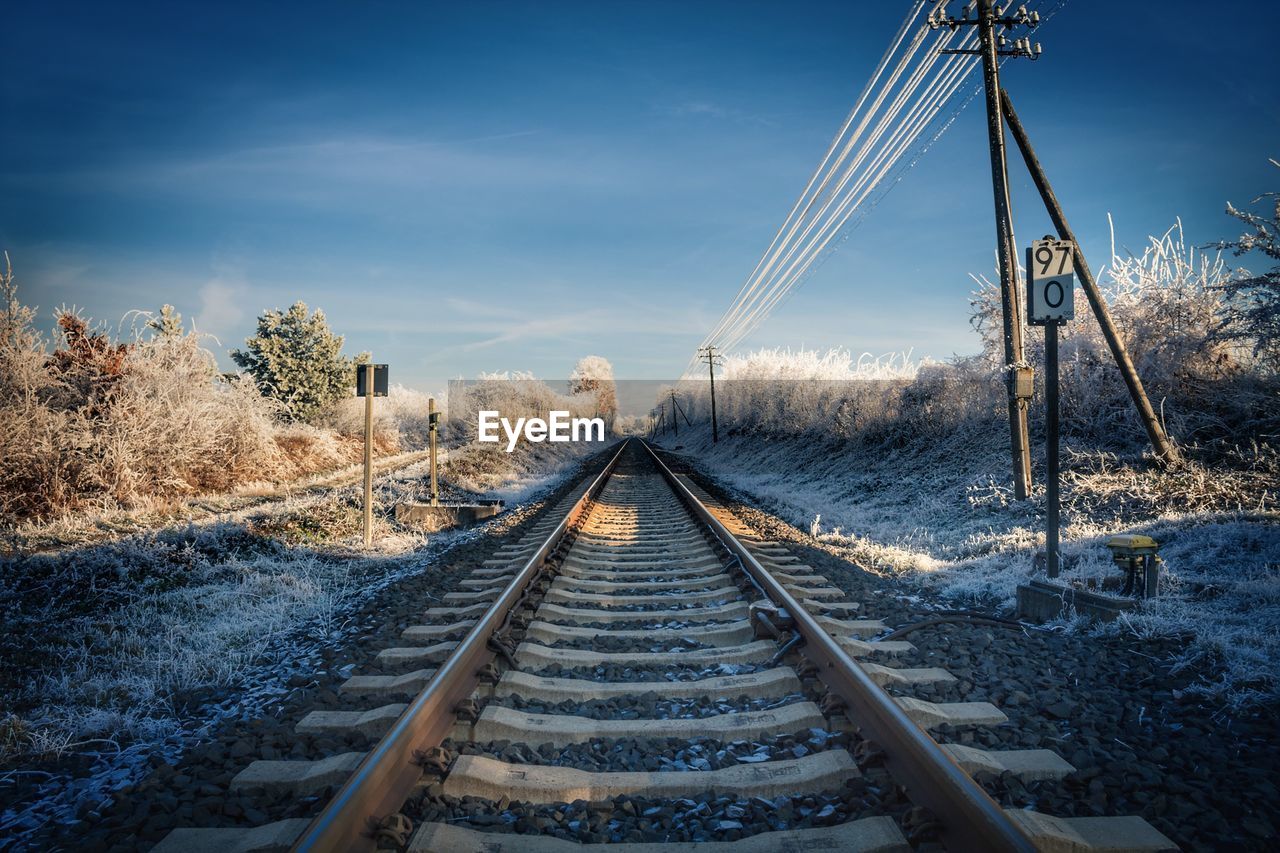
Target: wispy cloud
<point>329,170</point>
<point>697,108</point>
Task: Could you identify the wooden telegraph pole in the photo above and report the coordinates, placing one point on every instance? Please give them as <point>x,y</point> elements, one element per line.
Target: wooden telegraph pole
<point>708,354</point>
<point>993,45</point>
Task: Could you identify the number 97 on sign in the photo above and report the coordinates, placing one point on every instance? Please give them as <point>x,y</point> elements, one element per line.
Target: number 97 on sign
<point>1051,281</point>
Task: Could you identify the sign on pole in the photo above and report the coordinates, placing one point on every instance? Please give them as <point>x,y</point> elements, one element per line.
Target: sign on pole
<point>380,382</point>
<point>1051,281</point>
<point>371,381</point>
<point>1051,288</point>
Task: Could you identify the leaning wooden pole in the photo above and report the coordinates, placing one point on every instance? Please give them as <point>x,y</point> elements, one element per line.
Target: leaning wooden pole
<point>1160,442</point>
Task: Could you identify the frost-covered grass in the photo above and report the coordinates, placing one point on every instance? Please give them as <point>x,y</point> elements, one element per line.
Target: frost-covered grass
<point>939,517</point>
<point>89,527</point>
<point>101,637</point>
<point>120,651</point>
<point>147,617</point>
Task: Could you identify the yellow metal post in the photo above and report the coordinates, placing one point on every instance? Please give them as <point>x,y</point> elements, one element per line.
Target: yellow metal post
<point>431,425</point>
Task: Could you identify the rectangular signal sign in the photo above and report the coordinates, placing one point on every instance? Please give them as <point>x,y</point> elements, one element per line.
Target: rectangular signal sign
<point>1051,281</point>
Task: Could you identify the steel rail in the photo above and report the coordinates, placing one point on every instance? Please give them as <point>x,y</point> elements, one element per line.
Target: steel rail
<point>387,775</point>
<point>970,820</point>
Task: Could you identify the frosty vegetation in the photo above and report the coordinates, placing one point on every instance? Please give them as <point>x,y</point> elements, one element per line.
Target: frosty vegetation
<point>905,466</point>
<point>93,423</point>
<point>592,377</point>
<point>175,538</point>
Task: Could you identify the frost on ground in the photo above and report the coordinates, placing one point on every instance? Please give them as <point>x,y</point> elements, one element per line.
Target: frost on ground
<point>119,650</point>
<point>936,518</point>
<point>907,468</point>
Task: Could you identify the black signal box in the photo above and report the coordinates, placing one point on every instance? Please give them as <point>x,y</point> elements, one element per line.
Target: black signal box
<point>380,380</point>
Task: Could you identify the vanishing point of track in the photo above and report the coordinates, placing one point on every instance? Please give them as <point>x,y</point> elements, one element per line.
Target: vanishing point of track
<point>639,616</point>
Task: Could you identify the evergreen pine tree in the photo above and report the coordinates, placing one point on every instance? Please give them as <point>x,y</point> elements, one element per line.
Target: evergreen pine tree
<point>296,359</point>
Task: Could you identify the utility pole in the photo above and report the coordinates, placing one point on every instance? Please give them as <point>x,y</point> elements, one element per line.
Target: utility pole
<point>675,425</point>
<point>708,354</point>
<point>994,45</point>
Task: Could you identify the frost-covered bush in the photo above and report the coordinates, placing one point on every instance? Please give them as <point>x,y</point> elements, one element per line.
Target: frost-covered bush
<point>1166,302</point>
<point>514,395</point>
<point>482,467</point>
<point>1251,314</point>
<point>592,376</point>
<point>399,419</point>
<point>93,423</point>
<point>96,423</point>
<point>885,401</point>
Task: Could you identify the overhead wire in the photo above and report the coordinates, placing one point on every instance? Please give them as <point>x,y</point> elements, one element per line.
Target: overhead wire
<point>833,216</point>
<point>836,210</point>
<point>900,113</point>
<point>749,284</point>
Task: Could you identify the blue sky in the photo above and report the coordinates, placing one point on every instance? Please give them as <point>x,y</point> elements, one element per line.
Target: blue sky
<point>509,186</point>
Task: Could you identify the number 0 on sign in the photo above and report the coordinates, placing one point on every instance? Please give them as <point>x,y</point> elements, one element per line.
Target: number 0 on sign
<point>1051,284</point>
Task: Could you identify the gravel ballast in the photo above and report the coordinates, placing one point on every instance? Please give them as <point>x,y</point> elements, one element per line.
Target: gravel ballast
<point>1121,709</point>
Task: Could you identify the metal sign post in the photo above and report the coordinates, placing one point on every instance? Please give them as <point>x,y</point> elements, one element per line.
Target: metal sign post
<point>1053,499</point>
<point>433,420</point>
<point>371,381</point>
<point>1050,303</point>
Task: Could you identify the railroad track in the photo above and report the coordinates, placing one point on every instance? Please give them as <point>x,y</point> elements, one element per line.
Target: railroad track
<point>642,669</point>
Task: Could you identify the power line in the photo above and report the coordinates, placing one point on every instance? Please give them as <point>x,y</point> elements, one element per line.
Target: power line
<point>900,113</point>
<point>838,210</point>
